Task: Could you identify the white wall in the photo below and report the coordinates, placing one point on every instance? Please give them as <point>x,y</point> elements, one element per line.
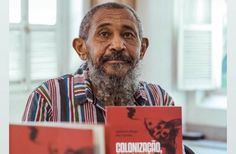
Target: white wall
<point>17,105</point>
<point>4,90</point>
<point>203,115</point>
<point>231,135</point>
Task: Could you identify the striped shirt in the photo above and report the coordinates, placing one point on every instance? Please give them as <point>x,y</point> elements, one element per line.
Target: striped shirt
<point>70,98</point>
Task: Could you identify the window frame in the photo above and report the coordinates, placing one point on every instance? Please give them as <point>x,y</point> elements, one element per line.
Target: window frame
<point>25,28</point>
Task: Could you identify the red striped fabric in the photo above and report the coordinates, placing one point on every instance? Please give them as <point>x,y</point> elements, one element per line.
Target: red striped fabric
<point>70,98</point>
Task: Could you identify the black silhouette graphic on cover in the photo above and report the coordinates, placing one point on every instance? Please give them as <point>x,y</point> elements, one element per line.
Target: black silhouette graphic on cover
<point>164,132</point>
<point>131,112</point>
<point>33,133</point>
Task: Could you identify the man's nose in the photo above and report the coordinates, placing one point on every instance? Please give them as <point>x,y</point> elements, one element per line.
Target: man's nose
<point>117,43</point>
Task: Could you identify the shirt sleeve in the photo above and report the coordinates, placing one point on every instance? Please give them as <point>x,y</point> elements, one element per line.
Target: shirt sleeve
<point>167,99</point>
<point>38,107</point>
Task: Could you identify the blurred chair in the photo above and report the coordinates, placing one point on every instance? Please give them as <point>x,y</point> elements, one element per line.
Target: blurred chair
<point>188,150</point>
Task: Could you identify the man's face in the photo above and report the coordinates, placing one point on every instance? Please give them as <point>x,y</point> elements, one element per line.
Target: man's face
<point>113,42</point>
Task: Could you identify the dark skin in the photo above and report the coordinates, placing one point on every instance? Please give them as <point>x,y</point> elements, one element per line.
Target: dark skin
<point>112,30</point>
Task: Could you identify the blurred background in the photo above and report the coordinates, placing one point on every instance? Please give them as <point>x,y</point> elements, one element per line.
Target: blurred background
<point>187,56</point>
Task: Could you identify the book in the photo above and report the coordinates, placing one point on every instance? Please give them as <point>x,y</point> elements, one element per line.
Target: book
<point>56,138</point>
<point>143,130</point>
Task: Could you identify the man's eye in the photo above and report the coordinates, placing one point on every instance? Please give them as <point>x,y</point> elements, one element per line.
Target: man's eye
<point>128,35</point>
<point>104,34</point>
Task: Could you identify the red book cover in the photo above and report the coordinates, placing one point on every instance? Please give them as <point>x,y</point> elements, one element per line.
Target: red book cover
<point>29,139</point>
<point>143,130</point>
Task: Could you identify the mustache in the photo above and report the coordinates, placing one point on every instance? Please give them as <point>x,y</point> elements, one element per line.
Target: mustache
<point>116,55</point>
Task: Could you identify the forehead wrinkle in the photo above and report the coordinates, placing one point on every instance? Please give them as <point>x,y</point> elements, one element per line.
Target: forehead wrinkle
<point>103,25</point>
<point>124,26</point>
<point>107,20</point>
<point>106,15</point>
<point>113,17</point>
<point>113,13</point>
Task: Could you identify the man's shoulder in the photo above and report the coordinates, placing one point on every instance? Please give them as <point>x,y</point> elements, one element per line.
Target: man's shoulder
<point>150,85</point>
<point>152,88</point>
<point>60,78</point>
<point>155,94</point>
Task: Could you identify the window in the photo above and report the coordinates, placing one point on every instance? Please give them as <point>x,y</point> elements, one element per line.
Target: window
<point>34,39</point>
<point>41,33</point>
<point>202,55</point>
<point>202,45</point>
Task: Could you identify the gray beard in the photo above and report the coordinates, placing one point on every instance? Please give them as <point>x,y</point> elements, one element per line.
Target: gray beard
<point>113,90</point>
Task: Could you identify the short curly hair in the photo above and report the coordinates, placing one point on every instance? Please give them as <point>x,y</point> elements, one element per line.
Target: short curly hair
<point>85,24</point>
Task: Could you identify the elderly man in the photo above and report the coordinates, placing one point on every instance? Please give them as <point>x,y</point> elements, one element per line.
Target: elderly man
<point>112,44</point>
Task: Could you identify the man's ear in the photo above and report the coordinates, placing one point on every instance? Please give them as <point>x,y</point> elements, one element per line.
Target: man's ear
<point>80,47</point>
<point>144,46</point>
